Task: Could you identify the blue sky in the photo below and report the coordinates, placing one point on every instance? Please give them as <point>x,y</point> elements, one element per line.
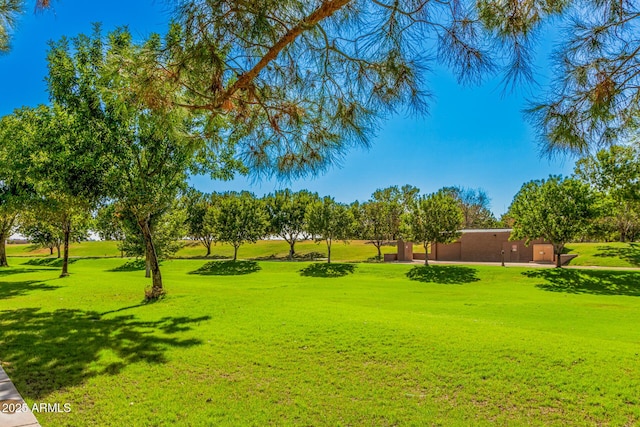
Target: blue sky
<point>473,136</point>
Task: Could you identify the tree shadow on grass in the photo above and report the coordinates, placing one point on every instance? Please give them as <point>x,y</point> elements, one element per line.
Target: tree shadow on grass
<point>133,265</point>
<point>444,274</point>
<point>630,253</point>
<point>327,270</point>
<point>307,256</point>
<point>212,256</point>
<point>227,268</point>
<point>17,270</point>
<point>43,352</point>
<point>49,262</point>
<point>595,282</point>
<point>16,289</point>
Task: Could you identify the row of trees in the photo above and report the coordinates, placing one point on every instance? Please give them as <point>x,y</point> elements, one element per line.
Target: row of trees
<point>600,202</point>
<point>281,88</point>
<point>238,218</point>
<point>234,218</point>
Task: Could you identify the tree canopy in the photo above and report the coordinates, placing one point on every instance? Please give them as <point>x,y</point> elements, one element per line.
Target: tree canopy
<point>238,219</point>
<point>595,87</point>
<point>9,11</point>
<point>475,205</point>
<point>557,210</point>
<point>434,218</point>
<point>328,220</point>
<point>286,211</point>
<point>615,174</point>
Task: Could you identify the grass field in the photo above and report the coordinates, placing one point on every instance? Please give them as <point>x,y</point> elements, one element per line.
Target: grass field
<point>277,343</point>
<point>614,254</point>
<point>357,250</point>
<point>589,254</point>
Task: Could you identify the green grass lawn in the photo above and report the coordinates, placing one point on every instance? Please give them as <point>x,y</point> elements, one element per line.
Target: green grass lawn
<point>615,254</point>
<point>589,254</point>
<point>356,250</point>
<point>278,343</point>
<point>82,249</point>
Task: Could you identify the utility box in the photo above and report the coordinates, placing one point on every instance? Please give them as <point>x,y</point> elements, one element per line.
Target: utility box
<point>405,250</point>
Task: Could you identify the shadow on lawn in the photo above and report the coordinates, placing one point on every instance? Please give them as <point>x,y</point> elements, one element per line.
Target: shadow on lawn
<point>227,268</point>
<point>327,270</point>
<point>16,289</point>
<point>445,274</point>
<point>43,352</point>
<point>595,282</point>
<point>631,253</point>
<point>133,265</point>
<point>10,271</point>
<point>49,262</point>
<point>307,256</point>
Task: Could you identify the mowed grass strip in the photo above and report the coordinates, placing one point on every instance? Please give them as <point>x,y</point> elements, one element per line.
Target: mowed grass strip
<point>613,254</point>
<point>355,250</point>
<point>277,343</point>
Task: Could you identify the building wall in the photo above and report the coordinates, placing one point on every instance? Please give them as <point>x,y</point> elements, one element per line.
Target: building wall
<point>447,252</point>
<point>484,246</point>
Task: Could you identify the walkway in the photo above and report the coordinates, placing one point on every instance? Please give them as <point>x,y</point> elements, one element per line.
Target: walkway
<point>9,400</point>
<point>522,264</point>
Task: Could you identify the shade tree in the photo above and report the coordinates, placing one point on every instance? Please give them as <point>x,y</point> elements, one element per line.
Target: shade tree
<point>374,224</point>
<point>328,221</point>
<point>434,218</point>
<point>286,211</point>
<point>556,210</point>
<point>148,147</point>
<point>54,222</point>
<point>196,205</point>
<point>15,192</point>
<point>395,202</point>
<point>615,174</point>
<point>42,234</point>
<point>167,228</point>
<point>475,205</point>
<point>49,149</point>
<point>592,99</point>
<point>238,218</point>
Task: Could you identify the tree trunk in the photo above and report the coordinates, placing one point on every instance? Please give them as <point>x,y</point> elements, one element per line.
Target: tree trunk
<point>328,251</point>
<point>379,252</point>
<point>147,265</point>
<point>51,250</point>
<point>156,277</point>
<point>558,251</point>
<point>3,251</point>
<point>58,249</point>
<point>235,252</point>
<point>292,250</point>
<point>65,260</point>
<point>426,254</point>
<point>623,234</point>
<point>208,246</point>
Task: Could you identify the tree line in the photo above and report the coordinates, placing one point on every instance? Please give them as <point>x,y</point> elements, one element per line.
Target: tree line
<point>283,89</point>
<point>233,218</point>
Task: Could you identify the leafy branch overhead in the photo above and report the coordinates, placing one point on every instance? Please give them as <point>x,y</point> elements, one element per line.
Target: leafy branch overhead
<point>300,82</point>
